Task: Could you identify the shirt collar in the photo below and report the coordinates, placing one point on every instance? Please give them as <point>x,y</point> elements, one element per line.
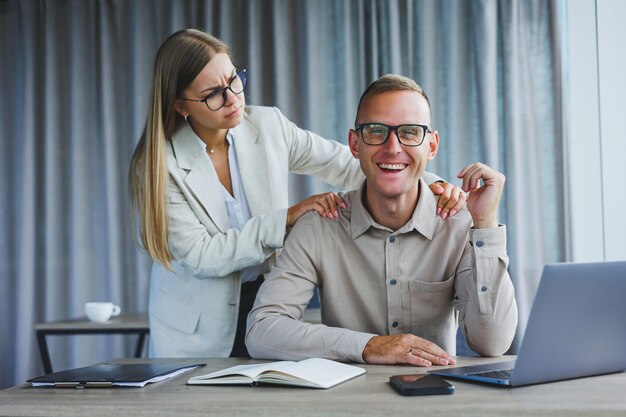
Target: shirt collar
<point>229,138</point>
<point>423,220</point>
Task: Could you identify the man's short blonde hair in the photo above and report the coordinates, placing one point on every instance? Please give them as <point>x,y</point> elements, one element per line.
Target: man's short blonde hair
<point>390,82</point>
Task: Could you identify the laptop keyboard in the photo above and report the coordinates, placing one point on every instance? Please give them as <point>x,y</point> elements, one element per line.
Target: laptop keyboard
<point>499,374</point>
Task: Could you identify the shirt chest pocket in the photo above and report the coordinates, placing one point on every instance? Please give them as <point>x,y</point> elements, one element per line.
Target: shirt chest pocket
<point>430,303</point>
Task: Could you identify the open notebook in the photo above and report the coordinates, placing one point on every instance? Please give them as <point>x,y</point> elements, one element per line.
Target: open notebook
<point>311,373</point>
<point>576,328</point>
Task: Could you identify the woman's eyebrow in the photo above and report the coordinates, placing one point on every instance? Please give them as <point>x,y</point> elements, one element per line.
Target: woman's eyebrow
<point>219,87</point>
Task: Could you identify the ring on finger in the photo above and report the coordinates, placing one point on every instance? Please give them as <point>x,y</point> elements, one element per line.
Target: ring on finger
<point>410,352</point>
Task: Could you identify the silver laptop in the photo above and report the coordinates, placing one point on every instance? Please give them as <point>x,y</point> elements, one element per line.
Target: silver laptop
<point>576,328</point>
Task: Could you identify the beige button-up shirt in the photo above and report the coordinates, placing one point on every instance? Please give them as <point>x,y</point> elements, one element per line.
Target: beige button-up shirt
<point>422,279</point>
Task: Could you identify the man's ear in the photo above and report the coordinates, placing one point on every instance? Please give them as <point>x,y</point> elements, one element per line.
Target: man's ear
<point>353,143</point>
<point>433,145</point>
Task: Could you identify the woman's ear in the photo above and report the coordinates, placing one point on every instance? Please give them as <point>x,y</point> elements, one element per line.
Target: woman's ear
<point>353,143</point>
<point>180,108</point>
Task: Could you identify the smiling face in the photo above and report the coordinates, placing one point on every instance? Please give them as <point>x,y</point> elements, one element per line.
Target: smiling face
<point>392,169</point>
<point>216,74</point>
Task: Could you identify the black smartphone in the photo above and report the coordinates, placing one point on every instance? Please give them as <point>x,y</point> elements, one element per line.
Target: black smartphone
<point>420,384</point>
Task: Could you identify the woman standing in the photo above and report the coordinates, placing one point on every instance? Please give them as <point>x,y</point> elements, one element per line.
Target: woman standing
<point>209,182</point>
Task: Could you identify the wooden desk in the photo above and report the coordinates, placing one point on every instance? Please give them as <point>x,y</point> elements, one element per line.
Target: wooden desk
<point>367,395</point>
<point>122,324</point>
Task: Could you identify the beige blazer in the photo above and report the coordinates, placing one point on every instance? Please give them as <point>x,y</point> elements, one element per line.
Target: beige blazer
<point>193,311</point>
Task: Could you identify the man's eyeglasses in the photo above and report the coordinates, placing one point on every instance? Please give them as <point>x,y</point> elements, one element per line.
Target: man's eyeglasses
<point>378,133</point>
<point>217,98</point>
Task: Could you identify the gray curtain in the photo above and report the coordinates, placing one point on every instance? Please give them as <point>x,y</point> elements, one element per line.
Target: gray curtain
<point>74,87</point>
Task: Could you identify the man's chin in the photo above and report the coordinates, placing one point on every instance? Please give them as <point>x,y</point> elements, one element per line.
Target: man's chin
<point>393,191</point>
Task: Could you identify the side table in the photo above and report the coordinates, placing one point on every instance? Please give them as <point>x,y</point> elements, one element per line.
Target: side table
<point>122,324</point>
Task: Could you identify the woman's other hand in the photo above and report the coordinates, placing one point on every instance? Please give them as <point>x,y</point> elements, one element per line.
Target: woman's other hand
<point>326,204</point>
<point>451,198</point>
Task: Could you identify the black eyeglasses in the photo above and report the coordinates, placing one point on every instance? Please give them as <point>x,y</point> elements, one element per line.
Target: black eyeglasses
<point>378,133</point>
<point>217,98</point>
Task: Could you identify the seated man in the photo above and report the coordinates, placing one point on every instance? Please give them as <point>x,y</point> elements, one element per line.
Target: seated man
<point>393,277</point>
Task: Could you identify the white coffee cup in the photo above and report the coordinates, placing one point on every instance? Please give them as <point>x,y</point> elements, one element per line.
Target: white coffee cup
<point>101,312</point>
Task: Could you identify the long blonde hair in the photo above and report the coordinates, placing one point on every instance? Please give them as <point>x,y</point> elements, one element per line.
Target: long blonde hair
<point>179,60</point>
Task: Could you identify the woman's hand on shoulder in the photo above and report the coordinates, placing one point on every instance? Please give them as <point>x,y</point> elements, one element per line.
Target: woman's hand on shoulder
<point>326,204</point>
<point>451,198</point>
